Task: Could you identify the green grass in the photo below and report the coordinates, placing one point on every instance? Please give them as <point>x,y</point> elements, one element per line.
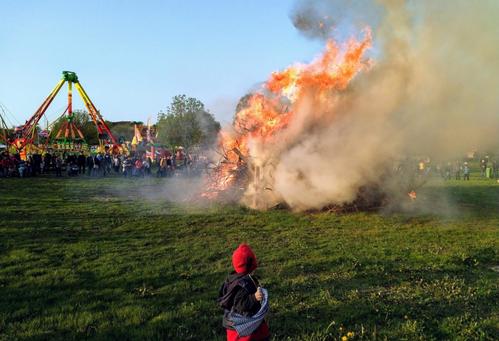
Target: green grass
<point>94,258</point>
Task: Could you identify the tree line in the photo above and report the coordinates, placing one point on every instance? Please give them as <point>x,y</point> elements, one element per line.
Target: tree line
<point>186,122</point>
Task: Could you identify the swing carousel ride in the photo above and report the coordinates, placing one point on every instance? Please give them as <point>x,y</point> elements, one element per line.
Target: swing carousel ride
<point>68,137</point>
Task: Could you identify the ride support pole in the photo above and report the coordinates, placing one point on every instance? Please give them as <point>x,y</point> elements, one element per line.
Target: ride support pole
<point>70,98</point>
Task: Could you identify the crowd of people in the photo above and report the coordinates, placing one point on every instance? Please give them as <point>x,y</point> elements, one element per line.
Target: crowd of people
<point>140,164</point>
<point>101,164</point>
<point>459,169</point>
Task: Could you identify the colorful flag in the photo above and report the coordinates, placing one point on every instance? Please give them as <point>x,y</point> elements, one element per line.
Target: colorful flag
<point>137,137</point>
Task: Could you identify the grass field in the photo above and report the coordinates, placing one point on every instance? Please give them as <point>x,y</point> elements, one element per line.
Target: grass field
<point>94,258</point>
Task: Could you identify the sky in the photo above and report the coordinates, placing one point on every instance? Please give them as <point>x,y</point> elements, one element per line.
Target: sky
<point>132,57</point>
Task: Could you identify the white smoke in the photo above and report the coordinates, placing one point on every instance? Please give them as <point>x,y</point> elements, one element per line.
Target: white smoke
<point>432,91</point>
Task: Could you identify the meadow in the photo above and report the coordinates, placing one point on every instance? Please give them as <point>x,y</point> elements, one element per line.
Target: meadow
<point>92,258</point>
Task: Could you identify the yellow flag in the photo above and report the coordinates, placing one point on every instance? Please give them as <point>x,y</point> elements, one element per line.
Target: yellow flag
<point>137,137</point>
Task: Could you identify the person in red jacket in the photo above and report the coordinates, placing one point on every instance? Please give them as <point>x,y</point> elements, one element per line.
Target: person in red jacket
<point>241,294</point>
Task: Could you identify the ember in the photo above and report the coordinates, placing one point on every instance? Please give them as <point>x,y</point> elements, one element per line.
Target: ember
<point>412,195</point>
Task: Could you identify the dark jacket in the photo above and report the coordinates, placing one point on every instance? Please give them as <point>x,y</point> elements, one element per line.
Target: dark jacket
<point>237,294</point>
<point>90,161</point>
<point>81,160</point>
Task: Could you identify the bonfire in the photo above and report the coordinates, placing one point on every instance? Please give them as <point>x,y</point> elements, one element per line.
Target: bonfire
<point>245,168</point>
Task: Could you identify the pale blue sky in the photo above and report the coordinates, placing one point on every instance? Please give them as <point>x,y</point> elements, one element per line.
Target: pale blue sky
<point>133,56</point>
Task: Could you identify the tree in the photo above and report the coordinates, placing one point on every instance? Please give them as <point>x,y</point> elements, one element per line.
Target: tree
<point>121,130</point>
<point>187,123</point>
<point>82,120</point>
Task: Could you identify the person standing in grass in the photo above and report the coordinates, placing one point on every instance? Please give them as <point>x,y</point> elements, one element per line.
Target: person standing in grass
<point>244,302</point>
<point>116,164</point>
<point>125,165</point>
<point>146,166</point>
<point>139,167</point>
<point>466,171</point>
<point>495,169</point>
<point>162,166</point>
<point>483,167</point>
<point>97,165</point>
<point>107,164</point>
<point>58,166</point>
<point>81,163</point>
<point>90,164</point>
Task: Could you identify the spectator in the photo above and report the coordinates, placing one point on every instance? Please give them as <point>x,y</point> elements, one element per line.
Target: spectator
<point>97,165</point>
<point>139,168</point>
<point>22,169</point>
<point>47,163</point>
<point>73,168</point>
<point>147,167</point>
<point>466,171</point>
<point>90,164</point>
<point>58,166</point>
<point>127,167</point>
<point>169,165</point>
<point>37,164</point>
<point>107,161</point>
<point>116,164</point>
<point>483,167</point>
<point>81,163</point>
<point>162,166</point>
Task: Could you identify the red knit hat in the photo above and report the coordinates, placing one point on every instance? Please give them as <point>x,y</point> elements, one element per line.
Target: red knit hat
<point>244,259</point>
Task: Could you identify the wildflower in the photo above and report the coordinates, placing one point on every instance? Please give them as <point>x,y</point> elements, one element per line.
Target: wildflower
<point>350,334</point>
<point>344,338</point>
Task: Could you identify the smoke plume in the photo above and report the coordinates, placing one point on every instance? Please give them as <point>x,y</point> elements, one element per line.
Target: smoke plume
<point>429,88</point>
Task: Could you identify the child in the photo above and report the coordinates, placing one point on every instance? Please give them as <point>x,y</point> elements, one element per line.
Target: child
<point>244,302</point>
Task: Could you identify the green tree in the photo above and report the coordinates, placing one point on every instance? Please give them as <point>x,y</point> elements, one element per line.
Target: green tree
<point>123,130</point>
<point>187,123</point>
<point>82,120</point>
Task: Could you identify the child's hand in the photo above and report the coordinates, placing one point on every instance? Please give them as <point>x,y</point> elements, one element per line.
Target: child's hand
<point>259,294</point>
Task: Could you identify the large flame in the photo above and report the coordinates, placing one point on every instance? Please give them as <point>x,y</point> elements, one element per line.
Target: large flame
<point>269,112</point>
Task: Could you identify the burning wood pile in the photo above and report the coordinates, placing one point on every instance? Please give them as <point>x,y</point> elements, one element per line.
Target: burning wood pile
<point>272,121</point>
<point>325,134</point>
<point>250,183</point>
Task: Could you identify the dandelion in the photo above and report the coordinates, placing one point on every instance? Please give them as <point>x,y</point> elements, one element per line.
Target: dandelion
<point>350,334</point>
<point>344,338</point>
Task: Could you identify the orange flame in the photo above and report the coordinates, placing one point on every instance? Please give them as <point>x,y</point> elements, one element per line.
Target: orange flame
<point>271,110</point>
<point>412,195</point>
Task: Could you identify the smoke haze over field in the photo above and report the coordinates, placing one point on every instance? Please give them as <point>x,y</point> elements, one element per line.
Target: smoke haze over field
<point>430,90</point>
<point>438,65</point>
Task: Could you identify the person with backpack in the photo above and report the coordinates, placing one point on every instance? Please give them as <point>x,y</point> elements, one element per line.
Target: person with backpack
<point>245,303</point>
